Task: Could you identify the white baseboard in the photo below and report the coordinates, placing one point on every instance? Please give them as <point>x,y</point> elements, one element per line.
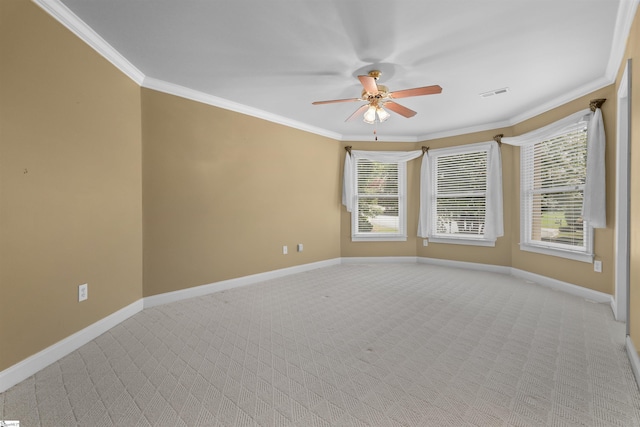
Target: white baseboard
<point>198,291</point>
<point>559,285</point>
<point>548,282</point>
<point>29,366</point>
<point>614,309</point>
<point>589,294</point>
<point>466,265</point>
<point>632,353</point>
<point>24,369</point>
<point>378,260</point>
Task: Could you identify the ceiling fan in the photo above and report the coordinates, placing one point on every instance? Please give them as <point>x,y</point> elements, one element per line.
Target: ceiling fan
<point>377,96</point>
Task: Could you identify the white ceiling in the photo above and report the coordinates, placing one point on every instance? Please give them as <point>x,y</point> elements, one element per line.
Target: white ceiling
<point>273,58</point>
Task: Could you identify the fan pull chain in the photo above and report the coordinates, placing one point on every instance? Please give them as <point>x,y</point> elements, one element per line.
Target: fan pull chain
<point>375,132</point>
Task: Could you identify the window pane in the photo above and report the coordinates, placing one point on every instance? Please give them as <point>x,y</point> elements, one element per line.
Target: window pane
<point>462,173</point>
<point>460,194</point>
<point>557,218</point>
<point>554,173</point>
<point>378,199</point>
<point>377,178</point>
<point>378,215</point>
<point>461,215</point>
<point>561,161</point>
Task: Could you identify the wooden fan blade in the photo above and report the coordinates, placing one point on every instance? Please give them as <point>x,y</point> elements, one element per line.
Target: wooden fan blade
<point>359,111</point>
<point>333,101</point>
<point>369,84</point>
<point>417,91</point>
<point>397,108</point>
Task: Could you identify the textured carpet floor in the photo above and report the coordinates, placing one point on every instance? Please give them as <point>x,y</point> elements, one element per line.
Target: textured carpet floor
<point>350,345</point>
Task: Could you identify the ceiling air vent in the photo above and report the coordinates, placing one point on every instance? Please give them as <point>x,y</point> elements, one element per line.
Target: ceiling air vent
<point>494,92</point>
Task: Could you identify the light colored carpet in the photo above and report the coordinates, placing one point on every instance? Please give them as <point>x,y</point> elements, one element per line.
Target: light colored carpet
<point>350,345</point>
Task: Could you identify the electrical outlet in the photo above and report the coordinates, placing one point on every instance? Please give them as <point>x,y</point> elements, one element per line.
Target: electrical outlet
<point>597,266</point>
<point>285,250</point>
<point>425,242</point>
<point>83,292</point>
<point>300,247</point>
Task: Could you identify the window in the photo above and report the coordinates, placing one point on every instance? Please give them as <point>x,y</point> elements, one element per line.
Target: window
<point>553,174</point>
<point>379,211</point>
<point>459,189</point>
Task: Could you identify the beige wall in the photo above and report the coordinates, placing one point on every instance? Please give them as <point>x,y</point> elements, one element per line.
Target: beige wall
<point>223,192</point>
<point>633,52</point>
<point>575,272</point>
<point>70,183</point>
<point>501,253</point>
<point>377,249</point>
<point>506,251</point>
<point>412,247</point>
<point>87,158</point>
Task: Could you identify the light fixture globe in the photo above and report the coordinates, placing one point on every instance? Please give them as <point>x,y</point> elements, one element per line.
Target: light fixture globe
<point>383,114</point>
<point>370,115</point>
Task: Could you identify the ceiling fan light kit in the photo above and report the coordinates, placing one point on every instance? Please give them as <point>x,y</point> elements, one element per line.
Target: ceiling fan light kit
<point>370,115</point>
<point>383,115</point>
<point>372,112</point>
<point>377,96</point>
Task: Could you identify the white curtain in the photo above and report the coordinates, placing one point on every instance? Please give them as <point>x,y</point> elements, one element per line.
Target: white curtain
<point>348,187</point>
<point>426,192</point>
<point>548,131</point>
<point>494,221</point>
<point>594,204</point>
<point>347,184</point>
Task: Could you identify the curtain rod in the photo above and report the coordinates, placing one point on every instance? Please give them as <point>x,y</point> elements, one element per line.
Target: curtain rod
<point>348,149</point>
<point>593,104</point>
<point>596,103</point>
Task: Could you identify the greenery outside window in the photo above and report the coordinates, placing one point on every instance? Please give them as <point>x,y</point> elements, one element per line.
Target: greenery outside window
<point>553,174</point>
<point>458,177</point>
<point>379,211</point>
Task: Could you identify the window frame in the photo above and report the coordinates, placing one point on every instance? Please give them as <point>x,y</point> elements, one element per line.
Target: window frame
<point>462,239</point>
<point>401,235</point>
<point>526,206</point>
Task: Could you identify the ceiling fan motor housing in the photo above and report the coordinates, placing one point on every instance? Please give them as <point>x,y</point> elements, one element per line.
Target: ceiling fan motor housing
<point>383,92</point>
<point>377,96</point>
<point>375,74</point>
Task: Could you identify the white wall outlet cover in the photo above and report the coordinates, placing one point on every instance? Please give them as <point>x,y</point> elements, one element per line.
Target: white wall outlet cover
<point>285,250</point>
<point>83,292</point>
<point>300,247</point>
<point>597,266</point>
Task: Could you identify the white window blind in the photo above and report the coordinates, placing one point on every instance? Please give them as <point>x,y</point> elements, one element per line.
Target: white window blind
<point>553,174</point>
<point>379,194</point>
<point>460,196</point>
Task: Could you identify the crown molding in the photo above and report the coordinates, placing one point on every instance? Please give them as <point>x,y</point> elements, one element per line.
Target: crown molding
<point>540,109</point>
<point>624,19</point>
<point>562,100</point>
<point>63,15</point>
<point>205,98</point>
<point>626,13</point>
<point>467,130</point>
<point>380,138</point>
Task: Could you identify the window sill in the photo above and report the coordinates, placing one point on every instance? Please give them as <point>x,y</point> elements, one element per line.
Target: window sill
<point>379,238</point>
<point>460,241</point>
<point>576,256</point>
